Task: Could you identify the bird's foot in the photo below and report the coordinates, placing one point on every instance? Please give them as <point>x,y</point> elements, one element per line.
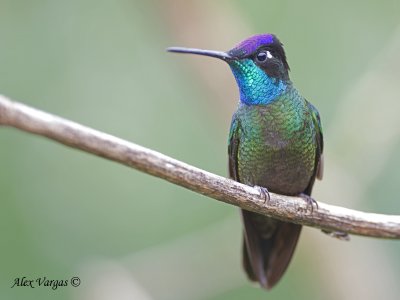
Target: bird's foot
<point>310,201</point>
<point>340,235</point>
<point>264,193</point>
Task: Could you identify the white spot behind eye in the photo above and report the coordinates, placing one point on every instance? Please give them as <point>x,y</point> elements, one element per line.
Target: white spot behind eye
<point>269,55</point>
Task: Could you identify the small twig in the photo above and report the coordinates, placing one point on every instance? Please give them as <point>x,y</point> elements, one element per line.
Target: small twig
<point>291,209</point>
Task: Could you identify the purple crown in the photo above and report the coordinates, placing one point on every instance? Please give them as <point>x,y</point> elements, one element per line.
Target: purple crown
<point>252,43</point>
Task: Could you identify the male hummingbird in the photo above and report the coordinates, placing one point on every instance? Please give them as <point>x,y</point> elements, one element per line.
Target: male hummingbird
<point>275,143</point>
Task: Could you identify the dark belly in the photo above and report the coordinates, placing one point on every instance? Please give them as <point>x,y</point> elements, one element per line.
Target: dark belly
<point>282,173</point>
<point>284,168</point>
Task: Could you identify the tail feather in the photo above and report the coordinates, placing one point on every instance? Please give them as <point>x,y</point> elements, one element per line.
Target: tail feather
<point>268,247</point>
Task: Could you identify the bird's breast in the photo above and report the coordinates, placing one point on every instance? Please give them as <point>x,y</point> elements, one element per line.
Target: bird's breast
<point>277,146</point>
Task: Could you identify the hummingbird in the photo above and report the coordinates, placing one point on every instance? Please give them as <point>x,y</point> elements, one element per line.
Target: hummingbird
<point>275,144</point>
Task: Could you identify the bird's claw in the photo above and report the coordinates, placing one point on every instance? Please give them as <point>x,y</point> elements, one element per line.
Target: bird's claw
<point>340,235</point>
<point>264,193</point>
<point>310,201</point>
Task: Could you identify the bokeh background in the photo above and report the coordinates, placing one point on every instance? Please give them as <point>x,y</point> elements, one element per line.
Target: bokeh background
<point>127,235</point>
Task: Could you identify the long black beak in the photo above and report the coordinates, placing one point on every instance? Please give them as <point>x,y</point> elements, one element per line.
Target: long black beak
<point>218,54</point>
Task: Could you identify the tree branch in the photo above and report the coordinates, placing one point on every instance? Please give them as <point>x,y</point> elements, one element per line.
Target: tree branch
<point>291,209</point>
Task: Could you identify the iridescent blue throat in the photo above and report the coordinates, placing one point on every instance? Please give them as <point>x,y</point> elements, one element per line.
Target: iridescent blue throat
<point>255,86</point>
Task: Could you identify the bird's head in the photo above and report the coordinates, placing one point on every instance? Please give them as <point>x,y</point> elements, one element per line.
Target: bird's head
<point>259,65</point>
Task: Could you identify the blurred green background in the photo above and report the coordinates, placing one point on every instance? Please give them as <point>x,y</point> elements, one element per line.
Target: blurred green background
<point>127,235</point>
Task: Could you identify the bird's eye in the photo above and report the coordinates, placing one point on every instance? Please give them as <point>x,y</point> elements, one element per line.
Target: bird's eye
<point>263,55</point>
